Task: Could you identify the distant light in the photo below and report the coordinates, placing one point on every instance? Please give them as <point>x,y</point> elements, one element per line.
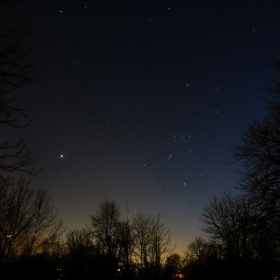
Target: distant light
<point>61,156</point>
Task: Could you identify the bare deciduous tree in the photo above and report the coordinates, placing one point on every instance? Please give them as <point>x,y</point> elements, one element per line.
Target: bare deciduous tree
<point>161,240</point>
<point>15,72</point>
<point>151,243</point>
<point>79,241</point>
<point>230,222</point>
<point>106,226</point>
<point>259,153</point>
<point>80,255</point>
<point>45,228</point>
<point>28,221</point>
<point>143,228</point>
<point>106,229</point>
<point>16,218</point>
<point>127,246</point>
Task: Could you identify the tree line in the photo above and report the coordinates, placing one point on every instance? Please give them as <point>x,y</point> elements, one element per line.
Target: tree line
<point>242,231</point>
<point>32,242</point>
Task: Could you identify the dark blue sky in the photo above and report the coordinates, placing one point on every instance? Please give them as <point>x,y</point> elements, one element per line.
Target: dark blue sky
<point>144,101</point>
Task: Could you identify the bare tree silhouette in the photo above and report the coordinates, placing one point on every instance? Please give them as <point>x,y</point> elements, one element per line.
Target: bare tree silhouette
<point>15,73</point>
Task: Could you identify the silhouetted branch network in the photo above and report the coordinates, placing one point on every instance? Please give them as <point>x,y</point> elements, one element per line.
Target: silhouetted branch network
<point>15,73</point>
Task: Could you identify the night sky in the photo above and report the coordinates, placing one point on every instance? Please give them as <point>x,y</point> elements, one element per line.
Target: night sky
<point>141,101</point>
